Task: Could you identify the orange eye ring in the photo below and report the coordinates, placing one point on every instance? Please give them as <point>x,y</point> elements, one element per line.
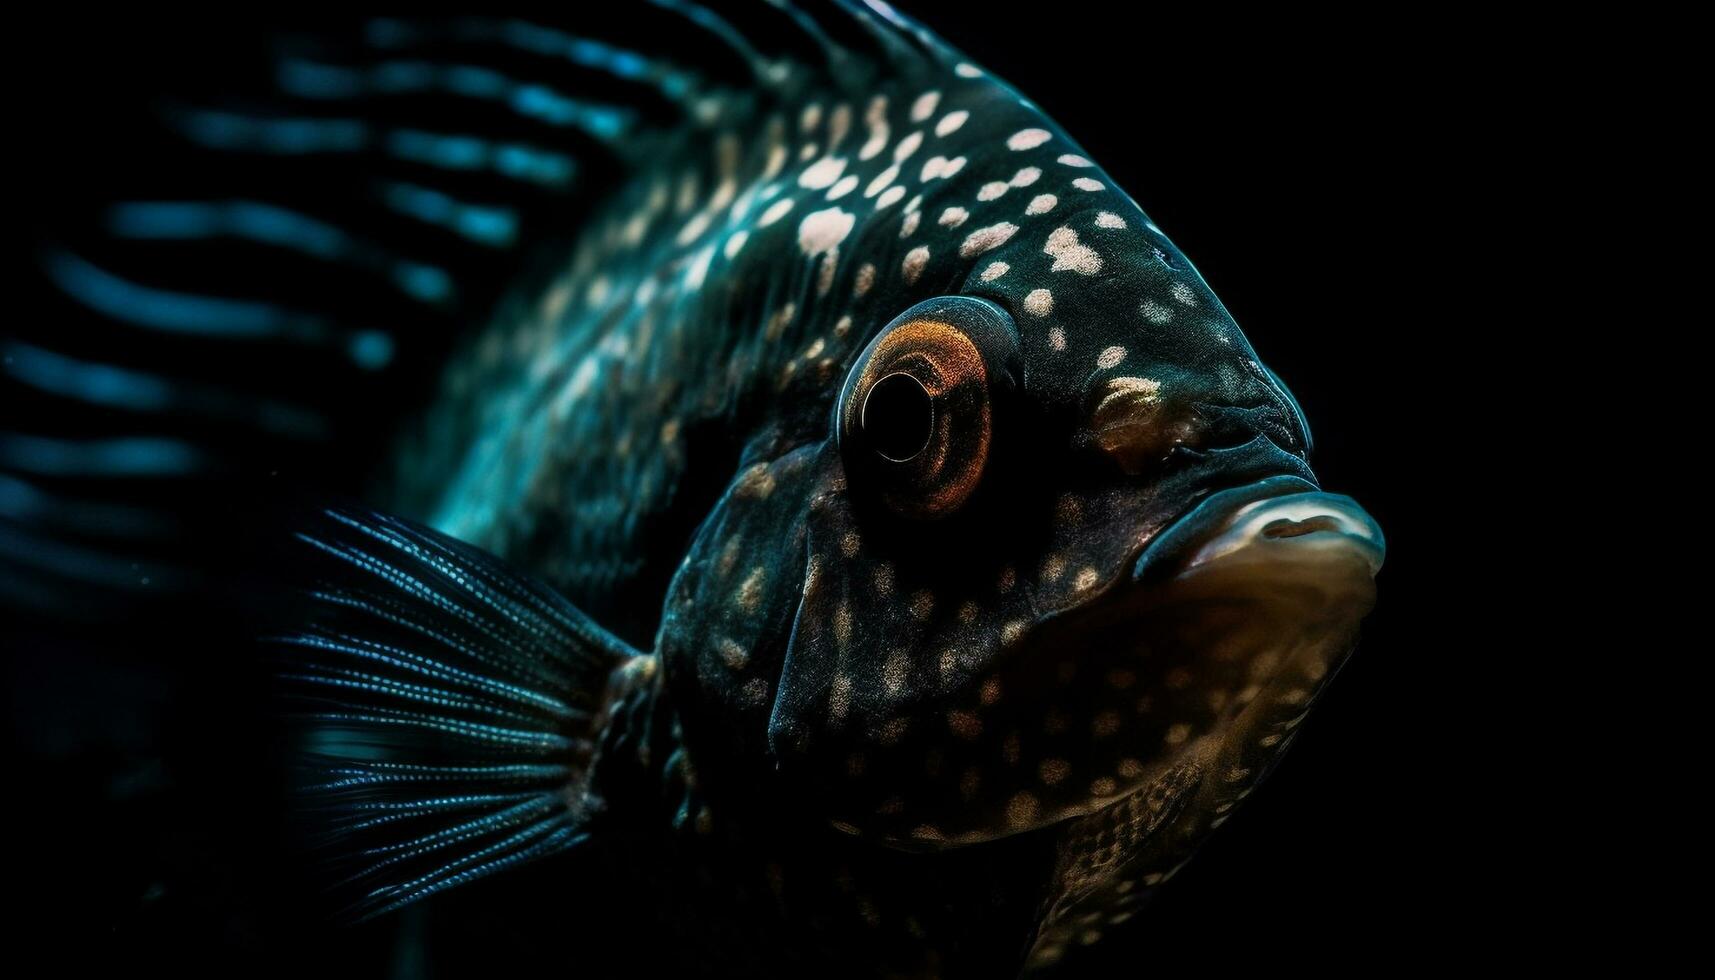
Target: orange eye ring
<point>916,415</point>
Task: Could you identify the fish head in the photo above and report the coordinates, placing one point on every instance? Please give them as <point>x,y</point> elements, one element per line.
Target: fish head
<point>1055,545</point>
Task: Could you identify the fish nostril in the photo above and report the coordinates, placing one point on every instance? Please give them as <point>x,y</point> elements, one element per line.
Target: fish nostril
<point>1141,427</point>
<point>1232,426</point>
<point>1214,438</point>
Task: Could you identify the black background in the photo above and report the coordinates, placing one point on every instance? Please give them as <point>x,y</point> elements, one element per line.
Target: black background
<point>1323,185</point>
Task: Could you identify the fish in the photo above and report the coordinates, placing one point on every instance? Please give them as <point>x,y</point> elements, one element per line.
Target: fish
<point>857,510</point>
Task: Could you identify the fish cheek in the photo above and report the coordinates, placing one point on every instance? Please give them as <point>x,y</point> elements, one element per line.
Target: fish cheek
<point>884,723</point>
<point>730,608</point>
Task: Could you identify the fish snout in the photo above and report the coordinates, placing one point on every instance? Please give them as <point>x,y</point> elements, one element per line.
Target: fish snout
<point>1139,423</point>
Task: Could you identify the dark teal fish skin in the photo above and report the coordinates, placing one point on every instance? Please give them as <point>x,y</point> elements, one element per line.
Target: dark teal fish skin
<point>855,688</point>
<point>859,536</point>
<point>579,409</point>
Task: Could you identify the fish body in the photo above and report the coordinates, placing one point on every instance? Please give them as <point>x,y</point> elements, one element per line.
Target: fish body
<point>865,517</point>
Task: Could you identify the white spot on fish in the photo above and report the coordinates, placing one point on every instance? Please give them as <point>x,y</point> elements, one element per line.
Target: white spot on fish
<point>1156,313</point>
<point>1025,177</point>
<point>839,124</point>
<point>823,230</point>
<point>775,212</point>
<point>991,190</point>
<point>1183,294</point>
<point>925,105</point>
<point>1074,160</point>
<point>1110,357</point>
<point>875,118</point>
<point>951,122</point>
<point>1041,204</point>
<point>1057,338</point>
<point>699,268</point>
<point>1028,139</point>
<point>907,146</point>
<point>864,280</point>
<point>1087,184</point>
<point>776,326</point>
<point>822,173</point>
<point>909,225</point>
<point>1063,245</point>
<point>983,239</point>
<point>954,217</point>
<point>723,195</point>
<point>845,185</point>
<point>735,243</point>
<point>941,167</point>
<point>914,262</point>
<point>694,228</point>
<point>1039,302</point>
<point>1108,219</point>
<point>825,272</point>
<point>965,69</point>
<point>994,271</point>
<point>889,197</point>
<point>881,181</point>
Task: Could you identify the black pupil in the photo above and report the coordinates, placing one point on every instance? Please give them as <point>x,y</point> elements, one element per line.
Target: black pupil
<point>897,417</point>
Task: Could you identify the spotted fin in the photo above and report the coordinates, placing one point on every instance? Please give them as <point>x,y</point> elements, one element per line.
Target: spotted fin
<point>444,711</point>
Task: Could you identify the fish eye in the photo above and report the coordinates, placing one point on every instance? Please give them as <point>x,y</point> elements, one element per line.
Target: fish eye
<point>898,417</point>
<point>916,416</point>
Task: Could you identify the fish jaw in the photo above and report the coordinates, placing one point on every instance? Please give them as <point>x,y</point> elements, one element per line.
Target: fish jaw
<point>1250,603</point>
<point>1286,575</point>
<point>1183,682</point>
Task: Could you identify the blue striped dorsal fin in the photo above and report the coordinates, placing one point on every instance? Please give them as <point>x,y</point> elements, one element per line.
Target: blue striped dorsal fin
<point>268,262</point>
<point>271,260</point>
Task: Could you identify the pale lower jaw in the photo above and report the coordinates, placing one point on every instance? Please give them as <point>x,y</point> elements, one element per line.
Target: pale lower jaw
<point>1275,593</point>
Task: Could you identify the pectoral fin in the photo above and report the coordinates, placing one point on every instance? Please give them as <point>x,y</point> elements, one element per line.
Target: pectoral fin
<point>444,708</point>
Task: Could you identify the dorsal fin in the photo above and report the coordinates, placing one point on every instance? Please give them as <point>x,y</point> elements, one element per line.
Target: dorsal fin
<point>270,273</point>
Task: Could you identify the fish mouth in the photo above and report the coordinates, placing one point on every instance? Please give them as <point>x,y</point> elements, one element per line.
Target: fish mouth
<point>1281,521</point>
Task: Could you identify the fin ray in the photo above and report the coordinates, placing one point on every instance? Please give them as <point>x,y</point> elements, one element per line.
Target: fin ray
<point>443,709</point>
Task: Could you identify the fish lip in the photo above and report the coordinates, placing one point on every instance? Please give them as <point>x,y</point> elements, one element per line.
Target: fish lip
<point>1170,549</point>
<point>1310,525</point>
